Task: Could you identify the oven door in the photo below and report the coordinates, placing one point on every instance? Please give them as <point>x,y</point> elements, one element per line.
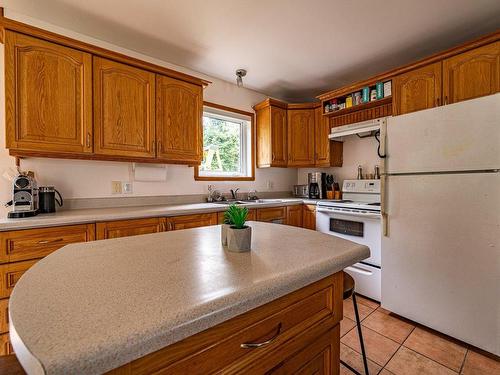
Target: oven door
<point>362,228</point>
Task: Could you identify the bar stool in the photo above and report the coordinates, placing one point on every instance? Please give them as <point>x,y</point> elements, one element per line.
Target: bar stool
<point>348,292</point>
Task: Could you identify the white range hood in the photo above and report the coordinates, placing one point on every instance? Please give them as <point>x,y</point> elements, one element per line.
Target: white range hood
<point>357,128</point>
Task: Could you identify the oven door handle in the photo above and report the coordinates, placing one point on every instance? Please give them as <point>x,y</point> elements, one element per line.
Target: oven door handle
<point>351,213</point>
<point>358,269</point>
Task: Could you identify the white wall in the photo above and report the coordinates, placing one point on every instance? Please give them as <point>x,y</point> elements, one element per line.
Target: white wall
<point>357,151</point>
<point>89,179</point>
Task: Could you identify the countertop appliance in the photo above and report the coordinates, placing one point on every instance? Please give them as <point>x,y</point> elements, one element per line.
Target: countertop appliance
<point>441,209</point>
<point>301,191</point>
<point>47,199</point>
<point>317,185</point>
<point>357,128</point>
<point>357,218</point>
<point>24,197</point>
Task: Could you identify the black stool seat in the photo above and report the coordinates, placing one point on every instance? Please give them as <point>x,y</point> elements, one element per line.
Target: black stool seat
<point>348,285</point>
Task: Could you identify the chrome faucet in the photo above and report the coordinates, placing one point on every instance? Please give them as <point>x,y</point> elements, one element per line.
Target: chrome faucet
<point>234,192</point>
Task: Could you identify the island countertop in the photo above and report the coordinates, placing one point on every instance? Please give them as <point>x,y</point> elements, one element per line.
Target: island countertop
<point>91,307</point>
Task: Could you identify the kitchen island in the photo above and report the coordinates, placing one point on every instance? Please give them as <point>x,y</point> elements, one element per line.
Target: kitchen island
<point>178,302</point>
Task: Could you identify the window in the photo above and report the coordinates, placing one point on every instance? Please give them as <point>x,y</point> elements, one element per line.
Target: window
<point>227,144</point>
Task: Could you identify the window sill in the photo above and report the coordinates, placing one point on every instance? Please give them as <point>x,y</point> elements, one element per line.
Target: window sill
<point>223,178</point>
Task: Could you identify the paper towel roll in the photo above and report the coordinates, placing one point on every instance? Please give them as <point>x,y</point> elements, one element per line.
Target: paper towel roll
<point>149,172</point>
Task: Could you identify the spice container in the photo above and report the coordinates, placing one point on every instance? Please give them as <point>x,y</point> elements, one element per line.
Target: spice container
<point>380,90</point>
<point>373,95</point>
<point>366,95</point>
<point>387,89</point>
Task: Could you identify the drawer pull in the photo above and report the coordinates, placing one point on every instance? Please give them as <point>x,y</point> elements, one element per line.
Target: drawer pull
<point>252,345</point>
<point>44,242</point>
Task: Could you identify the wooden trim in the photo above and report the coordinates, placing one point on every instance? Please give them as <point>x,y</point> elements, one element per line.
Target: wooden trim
<point>481,41</point>
<point>312,105</point>
<point>8,24</point>
<point>360,107</point>
<point>270,102</point>
<point>197,176</point>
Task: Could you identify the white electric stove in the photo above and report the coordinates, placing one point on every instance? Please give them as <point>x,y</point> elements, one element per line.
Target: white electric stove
<point>357,218</point>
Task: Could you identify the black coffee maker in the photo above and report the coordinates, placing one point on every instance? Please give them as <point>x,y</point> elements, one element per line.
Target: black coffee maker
<point>317,185</point>
<point>47,199</point>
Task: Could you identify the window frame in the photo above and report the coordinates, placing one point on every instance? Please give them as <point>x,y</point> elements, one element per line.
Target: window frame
<point>251,171</point>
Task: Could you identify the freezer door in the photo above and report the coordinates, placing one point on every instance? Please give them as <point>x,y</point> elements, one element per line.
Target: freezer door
<point>460,136</point>
<point>441,258</point>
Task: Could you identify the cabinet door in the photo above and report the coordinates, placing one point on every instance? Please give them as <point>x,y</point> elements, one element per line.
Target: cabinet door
<point>278,137</point>
<point>126,228</point>
<point>48,92</point>
<point>309,216</point>
<point>123,110</point>
<point>321,141</point>
<point>5,345</point>
<point>178,120</point>
<point>10,274</point>
<point>294,215</point>
<point>418,89</point>
<point>4,315</point>
<point>251,216</point>
<point>300,137</point>
<point>275,215</point>
<point>472,74</point>
<point>191,221</point>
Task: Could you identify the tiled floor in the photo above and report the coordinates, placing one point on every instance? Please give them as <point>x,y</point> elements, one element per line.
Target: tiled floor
<point>396,346</point>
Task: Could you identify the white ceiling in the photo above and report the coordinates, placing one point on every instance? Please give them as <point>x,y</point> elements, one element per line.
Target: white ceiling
<point>292,49</point>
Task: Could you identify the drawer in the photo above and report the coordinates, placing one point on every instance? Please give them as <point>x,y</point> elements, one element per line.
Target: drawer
<point>270,214</point>
<point>5,346</point>
<point>252,215</point>
<point>4,315</point>
<point>10,274</point>
<point>37,243</point>
<point>126,228</point>
<point>191,221</point>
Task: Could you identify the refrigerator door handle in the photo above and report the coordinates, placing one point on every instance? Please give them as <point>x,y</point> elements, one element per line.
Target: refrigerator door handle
<point>383,206</point>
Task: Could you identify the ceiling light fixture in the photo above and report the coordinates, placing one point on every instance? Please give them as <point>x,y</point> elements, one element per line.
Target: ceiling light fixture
<point>240,73</point>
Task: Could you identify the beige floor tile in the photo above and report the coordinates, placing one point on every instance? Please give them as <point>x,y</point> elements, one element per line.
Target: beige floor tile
<point>389,326</point>
<point>346,325</point>
<point>384,372</point>
<point>478,364</point>
<point>363,310</point>
<point>367,302</point>
<point>408,362</point>
<point>354,359</point>
<point>378,348</point>
<point>437,348</point>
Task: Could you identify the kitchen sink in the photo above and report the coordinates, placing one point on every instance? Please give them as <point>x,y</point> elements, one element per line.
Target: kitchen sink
<point>238,202</point>
<point>234,202</point>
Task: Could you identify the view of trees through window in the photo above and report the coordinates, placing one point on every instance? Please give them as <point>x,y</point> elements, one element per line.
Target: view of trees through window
<point>221,145</point>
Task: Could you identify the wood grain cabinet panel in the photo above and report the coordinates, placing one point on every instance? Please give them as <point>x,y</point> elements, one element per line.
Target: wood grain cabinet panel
<point>294,215</point>
<point>278,137</point>
<point>5,345</point>
<point>309,216</point>
<point>300,137</point>
<point>191,221</point>
<point>472,74</point>
<point>178,120</point>
<point>418,89</point>
<point>124,110</point>
<point>37,243</point>
<point>10,274</point>
<point>4,315</point>
<point>126,228</point>
<point>272,214</point>
<point>48,92</point>
<point>272,145</point>
<point>252,216</point>
<point>321,141</point>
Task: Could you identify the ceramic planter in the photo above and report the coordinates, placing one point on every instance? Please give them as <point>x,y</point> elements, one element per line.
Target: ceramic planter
<point>239,240</point>
<point>223,233</point>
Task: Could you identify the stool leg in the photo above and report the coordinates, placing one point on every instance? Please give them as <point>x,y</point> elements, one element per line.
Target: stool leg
<point>360,334</point>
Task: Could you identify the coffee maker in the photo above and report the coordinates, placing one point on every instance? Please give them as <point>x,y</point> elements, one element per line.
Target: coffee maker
<point>24,197</point>
<point>317,185</point>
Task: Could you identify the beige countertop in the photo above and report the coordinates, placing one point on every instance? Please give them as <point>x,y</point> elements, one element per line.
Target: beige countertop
<point>83,216</point>
<point>91,307</point>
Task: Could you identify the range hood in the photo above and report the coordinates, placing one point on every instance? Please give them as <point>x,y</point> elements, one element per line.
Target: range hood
<point>356,128</point>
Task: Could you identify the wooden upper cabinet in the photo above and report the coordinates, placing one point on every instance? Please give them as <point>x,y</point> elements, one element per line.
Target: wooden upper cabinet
<point>472,74</point>
<point>300,137</point>
<point>321,141</point>
<point>278,137</point>
<point>271,120</point>
<point>124,110</point>
<point>179,110</point>
<point>48,92</point>
<point>417,89</point>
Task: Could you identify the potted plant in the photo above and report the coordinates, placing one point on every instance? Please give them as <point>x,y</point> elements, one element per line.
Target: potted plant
<point>225,225</point>
<point>239,235</point>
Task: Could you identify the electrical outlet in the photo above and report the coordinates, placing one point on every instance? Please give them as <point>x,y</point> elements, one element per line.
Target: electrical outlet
<point>127,188</point>
<point>116,187</point>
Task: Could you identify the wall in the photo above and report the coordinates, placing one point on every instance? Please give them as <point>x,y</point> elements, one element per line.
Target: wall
<point>91,179</point>
<point>357,151</point>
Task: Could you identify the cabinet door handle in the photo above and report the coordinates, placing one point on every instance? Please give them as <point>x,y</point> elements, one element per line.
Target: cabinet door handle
<point>252,345</point>
<point>87,141</point>
<point>273,157</point>
<point>44,242</point>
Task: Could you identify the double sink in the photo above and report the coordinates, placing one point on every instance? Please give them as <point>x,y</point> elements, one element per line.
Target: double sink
<point>243,202</point>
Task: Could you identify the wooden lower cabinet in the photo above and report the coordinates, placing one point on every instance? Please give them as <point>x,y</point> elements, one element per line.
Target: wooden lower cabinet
<point>300,332</point>
<point>191,221</point>
<point>5,345</point>
<point>125,228</point>
<point>294,215</point>
<point>10,274</point>
<point>275,215</point>
<point>309,216</point>
<point>4,315</point>
<point>252,216</point>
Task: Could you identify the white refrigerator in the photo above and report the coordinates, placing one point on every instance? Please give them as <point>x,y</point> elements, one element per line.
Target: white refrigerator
<point>441,218</point>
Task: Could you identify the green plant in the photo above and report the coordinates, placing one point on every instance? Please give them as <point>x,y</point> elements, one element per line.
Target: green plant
<point>236,216</point>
